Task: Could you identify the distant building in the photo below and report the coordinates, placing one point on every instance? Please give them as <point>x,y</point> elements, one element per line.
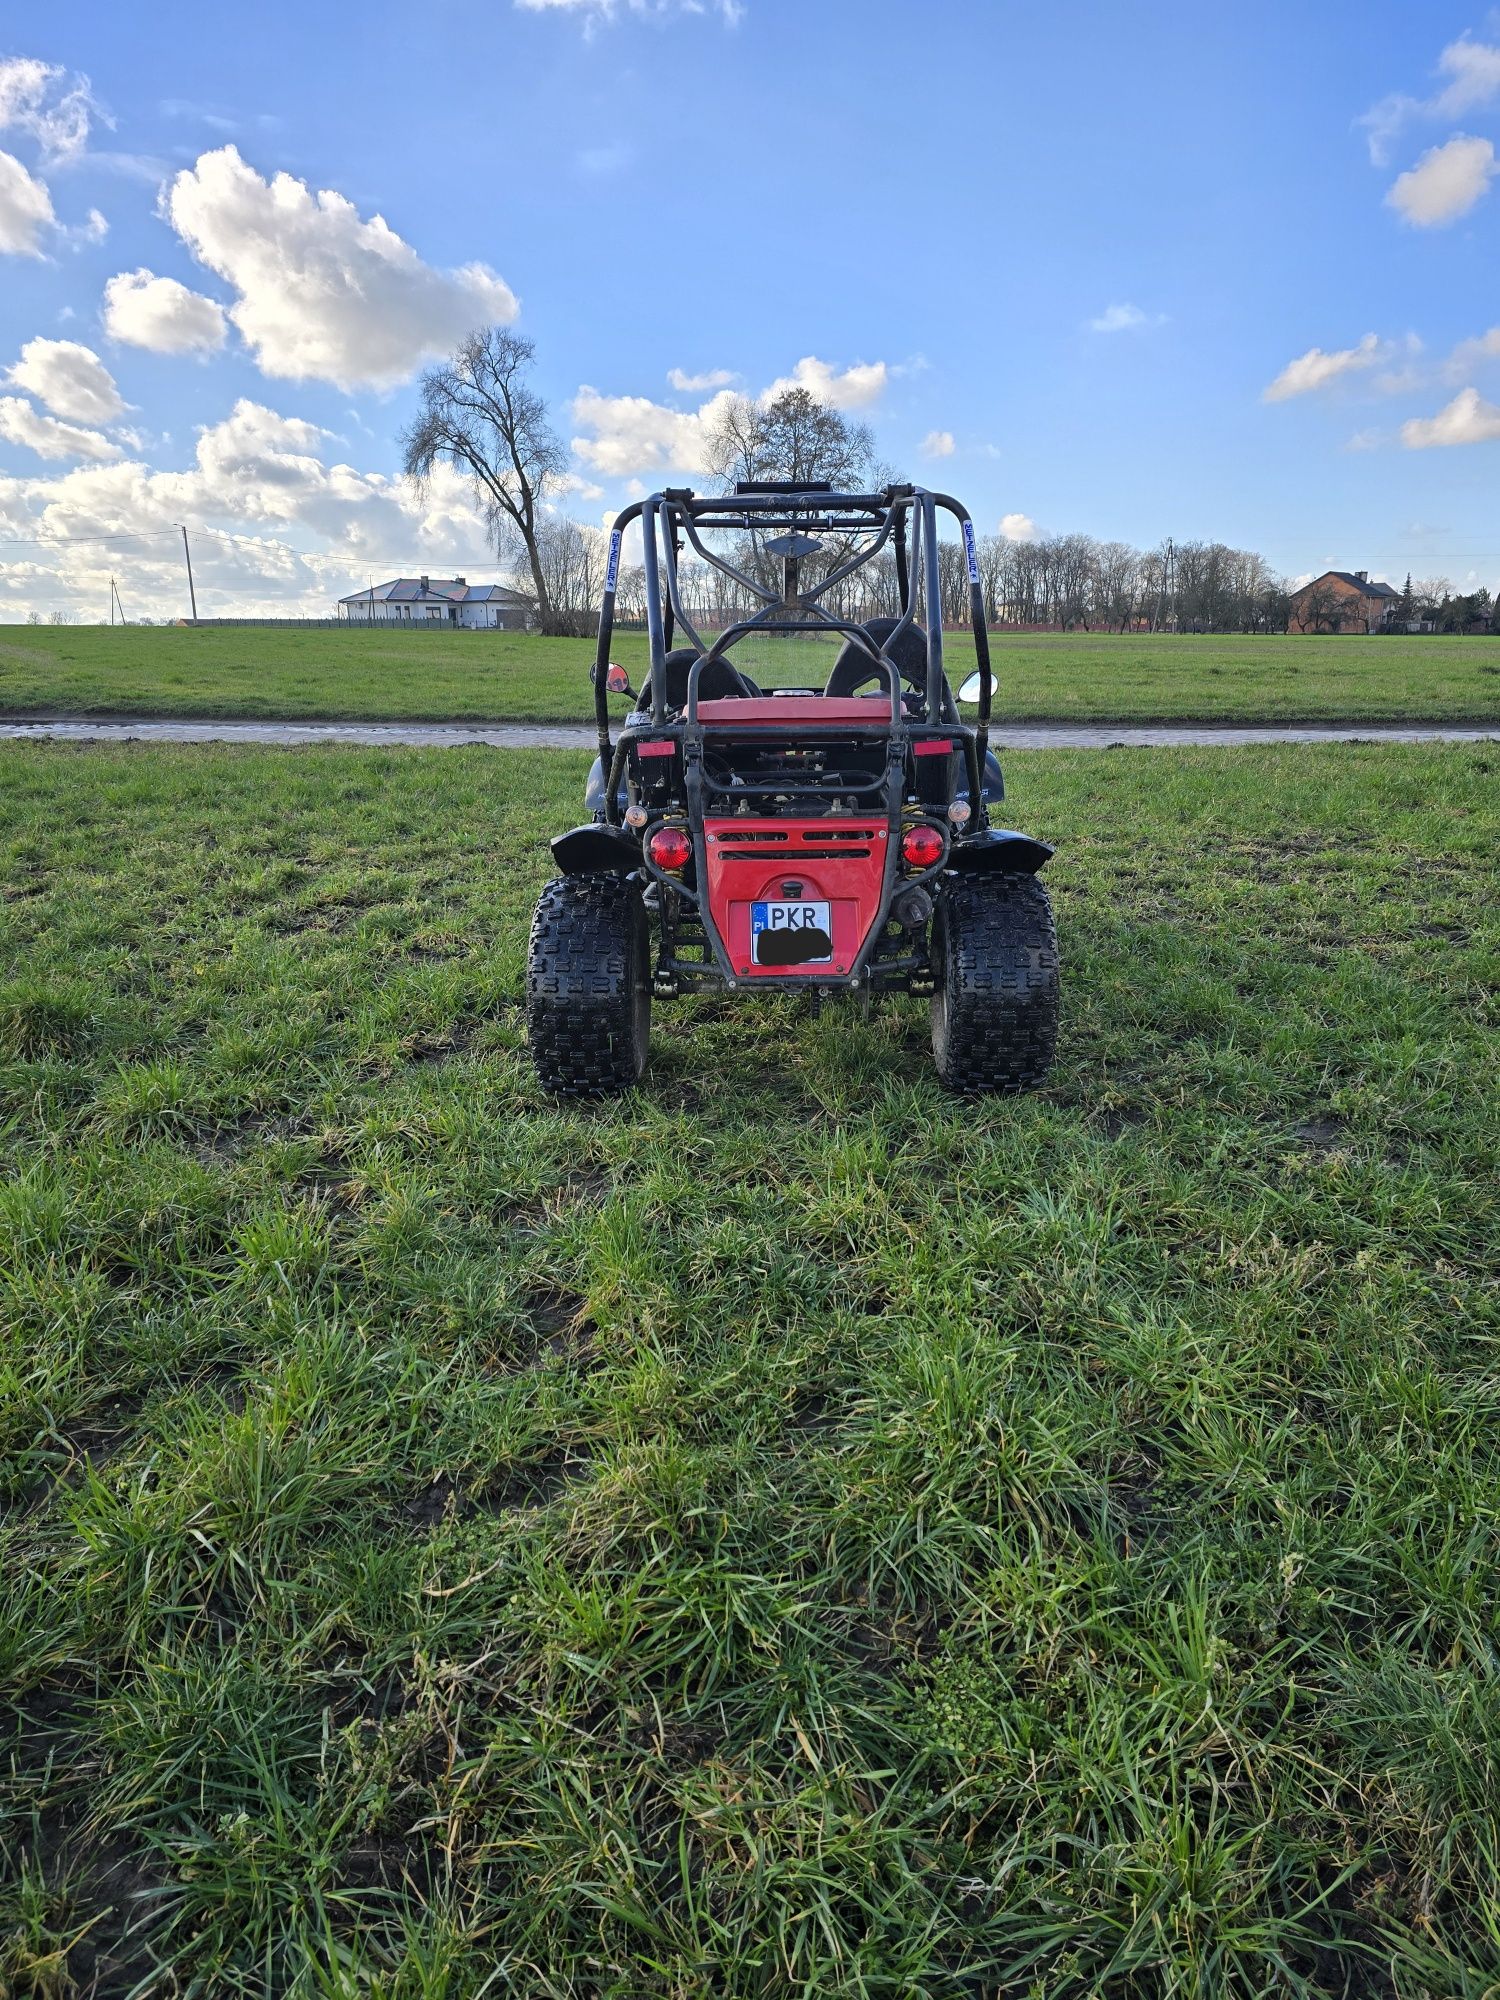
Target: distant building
<point>1343,600</point>
<point>431,600</point>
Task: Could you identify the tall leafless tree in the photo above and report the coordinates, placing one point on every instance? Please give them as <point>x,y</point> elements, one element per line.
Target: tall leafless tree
<point>479,414</point>
<point>794,436</point>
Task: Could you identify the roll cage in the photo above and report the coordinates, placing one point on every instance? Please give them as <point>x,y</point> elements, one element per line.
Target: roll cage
<point>905,516</point>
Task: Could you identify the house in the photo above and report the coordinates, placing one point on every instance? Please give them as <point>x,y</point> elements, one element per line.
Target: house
<point>447,600</point>
<point>1342,600</point>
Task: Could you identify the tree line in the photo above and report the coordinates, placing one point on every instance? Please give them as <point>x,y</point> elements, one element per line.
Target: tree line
<point>479,413</point>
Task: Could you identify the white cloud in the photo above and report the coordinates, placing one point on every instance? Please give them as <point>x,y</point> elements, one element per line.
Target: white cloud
<point>937,444</point>
<point>633,434</point>
<point>39,98</point>
<point>1018,527</point>
<point>1445,183</point>
<point>322,293</point>
<point>94,230</point>
<point>621,435</point>
<point>847,389</point>
<point>572,483</point>
<point>144,310</point>
<point>1473,72</point>
<point>1316,369</point>
<point>23,425</point>
<point>316,529</point>
<point>1125,318</point>
<point>712,378</point>
<point>1470,354</point>
<point>730,12</point>
<point>70,379</point>
<point>25,209</point>
<point>1468,419</point>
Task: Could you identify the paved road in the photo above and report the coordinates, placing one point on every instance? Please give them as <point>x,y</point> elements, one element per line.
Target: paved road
<point>546,736</point>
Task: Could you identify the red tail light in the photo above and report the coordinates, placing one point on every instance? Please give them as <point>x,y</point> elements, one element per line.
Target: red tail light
<point>669,849</point>
<point>921,846</point>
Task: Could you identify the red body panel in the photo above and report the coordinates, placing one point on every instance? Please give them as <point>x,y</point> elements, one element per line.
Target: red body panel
<point>776,711</point>
<point>834,860</point>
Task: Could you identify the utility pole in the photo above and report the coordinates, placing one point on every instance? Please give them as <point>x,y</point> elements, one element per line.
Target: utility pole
<point>115,588</point>
<point>111,600</point>
<point>187,558</point>
<point>1165,616</point>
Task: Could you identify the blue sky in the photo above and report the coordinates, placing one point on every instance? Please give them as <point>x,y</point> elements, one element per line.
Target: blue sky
<point>1057,258</point>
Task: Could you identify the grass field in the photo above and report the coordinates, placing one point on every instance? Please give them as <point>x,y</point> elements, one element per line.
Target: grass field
<point>788,1533</point>
<point>310,672</point>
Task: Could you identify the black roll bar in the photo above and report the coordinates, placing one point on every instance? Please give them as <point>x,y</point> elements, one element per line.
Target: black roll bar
<point>776,502</point>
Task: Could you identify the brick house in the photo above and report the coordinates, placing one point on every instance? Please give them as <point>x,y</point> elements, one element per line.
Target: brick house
<point>1342,600</point>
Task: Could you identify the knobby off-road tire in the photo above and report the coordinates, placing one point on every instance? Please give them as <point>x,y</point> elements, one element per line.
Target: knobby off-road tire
<point>994,1007</point>
<point>588,986</point>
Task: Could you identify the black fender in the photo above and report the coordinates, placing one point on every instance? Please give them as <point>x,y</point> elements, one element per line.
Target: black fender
<point>996,850</point>
<point>596,850</point>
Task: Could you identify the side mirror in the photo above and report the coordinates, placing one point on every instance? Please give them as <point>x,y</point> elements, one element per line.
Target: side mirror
<point>973,687</point>
<point>616,679</point>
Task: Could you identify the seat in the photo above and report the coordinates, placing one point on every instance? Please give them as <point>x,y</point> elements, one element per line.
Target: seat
<point>854,668</point>
<point>720,682</point>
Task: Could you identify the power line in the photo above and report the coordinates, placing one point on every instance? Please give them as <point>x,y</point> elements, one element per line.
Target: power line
<point>79,541</point>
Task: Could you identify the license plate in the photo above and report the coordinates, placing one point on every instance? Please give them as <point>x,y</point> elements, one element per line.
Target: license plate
<point>791,933</point>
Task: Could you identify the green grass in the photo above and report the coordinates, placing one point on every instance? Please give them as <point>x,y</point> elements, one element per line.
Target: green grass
<point>310,672</point>
<point>787,1533</point>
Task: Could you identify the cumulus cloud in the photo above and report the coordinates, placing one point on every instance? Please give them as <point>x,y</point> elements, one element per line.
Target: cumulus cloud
<point>1472,70</point>
<point>70,379</point>
<point>1468,419</point>
<point>1316,369</point>
<point>1445,183</point>
<point>623,435</point>
<point>1018,527</point>
<point>937,444</point>
<point>41,99</point>
<point>25,209</point>
<point>144,310</point>
<point>1125,319</point>
<point>573,484</point>
<point>846,389</point>
<point>321,292</point>
<point>712,378</point>
<point>21,423</point>
<point>281,524</point>
<point>633,434</point>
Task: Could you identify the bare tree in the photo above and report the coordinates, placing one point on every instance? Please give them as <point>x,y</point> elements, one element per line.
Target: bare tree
<point>480,415</point>
<point>1321,607</point>
<point>792,437</point>
<point>571,558</point>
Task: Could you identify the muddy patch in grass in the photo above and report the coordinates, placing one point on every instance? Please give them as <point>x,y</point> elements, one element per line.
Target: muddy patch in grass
<point>1325,1134</point>
<point>559,1326</point>
<point>521,1488</point>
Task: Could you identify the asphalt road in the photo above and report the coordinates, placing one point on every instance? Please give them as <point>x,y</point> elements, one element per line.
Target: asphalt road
<point>547,736</point>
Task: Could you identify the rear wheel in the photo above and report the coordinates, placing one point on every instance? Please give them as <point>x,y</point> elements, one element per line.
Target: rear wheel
<point>588,986</point>
<point>994,1002</point>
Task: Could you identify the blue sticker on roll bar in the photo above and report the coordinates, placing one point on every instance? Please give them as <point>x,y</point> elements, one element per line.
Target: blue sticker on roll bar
<point>971,552</point>
<point>612,571</point>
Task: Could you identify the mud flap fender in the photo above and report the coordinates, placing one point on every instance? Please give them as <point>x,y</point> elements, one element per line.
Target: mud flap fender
<point>596,850</point>
<point>995,849</point>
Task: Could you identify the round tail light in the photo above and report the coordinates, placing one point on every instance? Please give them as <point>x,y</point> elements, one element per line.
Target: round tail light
<point>921,846</point>
<point>669,849</point>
